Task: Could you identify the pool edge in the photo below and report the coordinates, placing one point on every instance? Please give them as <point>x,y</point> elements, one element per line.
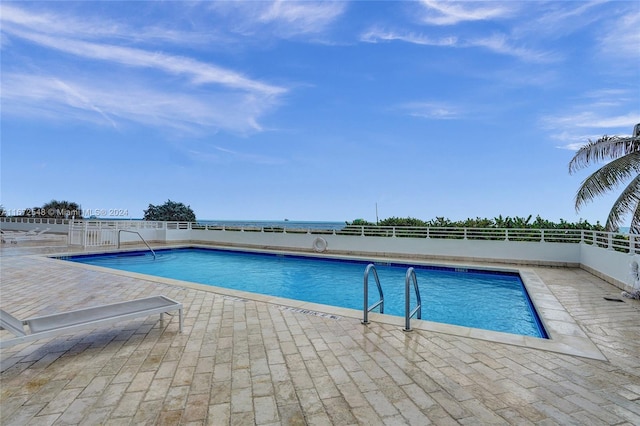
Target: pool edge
<point>563,338</point>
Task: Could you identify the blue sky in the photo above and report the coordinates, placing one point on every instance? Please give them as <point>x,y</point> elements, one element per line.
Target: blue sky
<point>314,111</point>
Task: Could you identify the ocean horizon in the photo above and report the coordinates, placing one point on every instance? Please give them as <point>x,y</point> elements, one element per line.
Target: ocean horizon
<point>291,224</point>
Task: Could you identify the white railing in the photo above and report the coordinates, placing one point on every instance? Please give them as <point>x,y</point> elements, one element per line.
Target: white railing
<point>104,232</point>
<point>93,233</point>
<point>119,224</point>
<point>610,240</point>
<point>35,220</point>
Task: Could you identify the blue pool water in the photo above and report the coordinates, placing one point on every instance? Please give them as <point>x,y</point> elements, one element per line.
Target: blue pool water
<point>472,298</point>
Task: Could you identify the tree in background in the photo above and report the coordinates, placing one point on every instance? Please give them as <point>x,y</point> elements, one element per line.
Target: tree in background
<point>170,211</point>
<point>498,222</point>
<point>402,221</point>
<point>624,165</point>
<point>60,210</point>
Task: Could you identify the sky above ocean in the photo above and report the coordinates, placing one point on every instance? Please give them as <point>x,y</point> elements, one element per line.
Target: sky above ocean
<point>313,111</point>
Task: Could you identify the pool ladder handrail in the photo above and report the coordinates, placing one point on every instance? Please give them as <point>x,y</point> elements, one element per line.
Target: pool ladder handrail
<point>411,276</point>
<point>143,240</point>
<point>366,309</point>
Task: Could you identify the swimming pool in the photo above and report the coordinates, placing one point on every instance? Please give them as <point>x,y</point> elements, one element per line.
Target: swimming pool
<point>490,300</point>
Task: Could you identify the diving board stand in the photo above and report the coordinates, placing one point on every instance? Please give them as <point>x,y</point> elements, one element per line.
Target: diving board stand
<point>65,322</point>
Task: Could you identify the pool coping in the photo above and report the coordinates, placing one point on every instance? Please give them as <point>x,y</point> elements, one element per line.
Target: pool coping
<point>565,335</point>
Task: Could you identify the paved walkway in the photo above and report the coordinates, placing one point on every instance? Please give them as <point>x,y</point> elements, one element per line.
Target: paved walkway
<point>241,361</point>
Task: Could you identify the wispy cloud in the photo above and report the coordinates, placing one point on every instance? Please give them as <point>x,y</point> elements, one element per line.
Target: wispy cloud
<point>555,19</point>
<point>283,19</point>
<point>161,89</point>
<point>622,40</point>
<point>375,35</point>
<point>218,155</point>
<point>574,146</point>
<point>200,72</point>
<point>497,43</point>
<point>594,120</point>
<point>501,44</point>
<point>431,110</point>
<point>112,103</point>
<point>101,28</point>
<point>438,12</point>
<point>302,17</point>
<point>44,30</point>
<point>591,122</point>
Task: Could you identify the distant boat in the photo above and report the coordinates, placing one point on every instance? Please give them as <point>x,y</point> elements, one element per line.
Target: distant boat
<point>286,220</point>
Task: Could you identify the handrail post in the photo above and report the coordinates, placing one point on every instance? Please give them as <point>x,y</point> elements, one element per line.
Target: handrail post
<point>407,318</point>
<point>411,275</point>
<point>143,240</point>
<point>366,309</point>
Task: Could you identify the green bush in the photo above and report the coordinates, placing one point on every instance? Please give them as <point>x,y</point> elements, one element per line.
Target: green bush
<point>170,211</point>
<point>497,222</point>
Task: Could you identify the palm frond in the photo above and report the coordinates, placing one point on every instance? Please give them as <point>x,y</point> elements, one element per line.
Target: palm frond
<point>607,147</point>
<point>635,221</point>
<point>608,177</point>
<point>627,202</point>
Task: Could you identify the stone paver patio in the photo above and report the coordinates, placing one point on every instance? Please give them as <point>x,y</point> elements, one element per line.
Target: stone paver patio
<point>243,360</point>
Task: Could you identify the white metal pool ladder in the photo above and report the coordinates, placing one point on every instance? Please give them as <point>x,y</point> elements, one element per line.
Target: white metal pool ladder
<point>143,240</point>
<point>367,309</point>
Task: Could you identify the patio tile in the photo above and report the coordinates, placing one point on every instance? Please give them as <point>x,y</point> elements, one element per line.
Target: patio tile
<point>242,360</point>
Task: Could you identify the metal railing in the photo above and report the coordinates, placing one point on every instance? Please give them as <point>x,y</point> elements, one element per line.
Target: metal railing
<point>143,240</point>
<point>411,276</point>
<point>366,309</point>
<point>627,243</point>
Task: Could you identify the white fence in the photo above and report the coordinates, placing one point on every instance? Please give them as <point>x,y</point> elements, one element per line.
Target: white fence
<point>96,233</point>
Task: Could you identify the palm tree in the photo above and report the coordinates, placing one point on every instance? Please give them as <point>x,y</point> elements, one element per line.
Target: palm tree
<point>61,209</point>
<point>624,153</point>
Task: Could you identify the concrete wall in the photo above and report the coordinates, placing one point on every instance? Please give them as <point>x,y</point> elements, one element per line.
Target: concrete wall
<point>149,235</point>
<point>496,251</point>
<point>610,265</point>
